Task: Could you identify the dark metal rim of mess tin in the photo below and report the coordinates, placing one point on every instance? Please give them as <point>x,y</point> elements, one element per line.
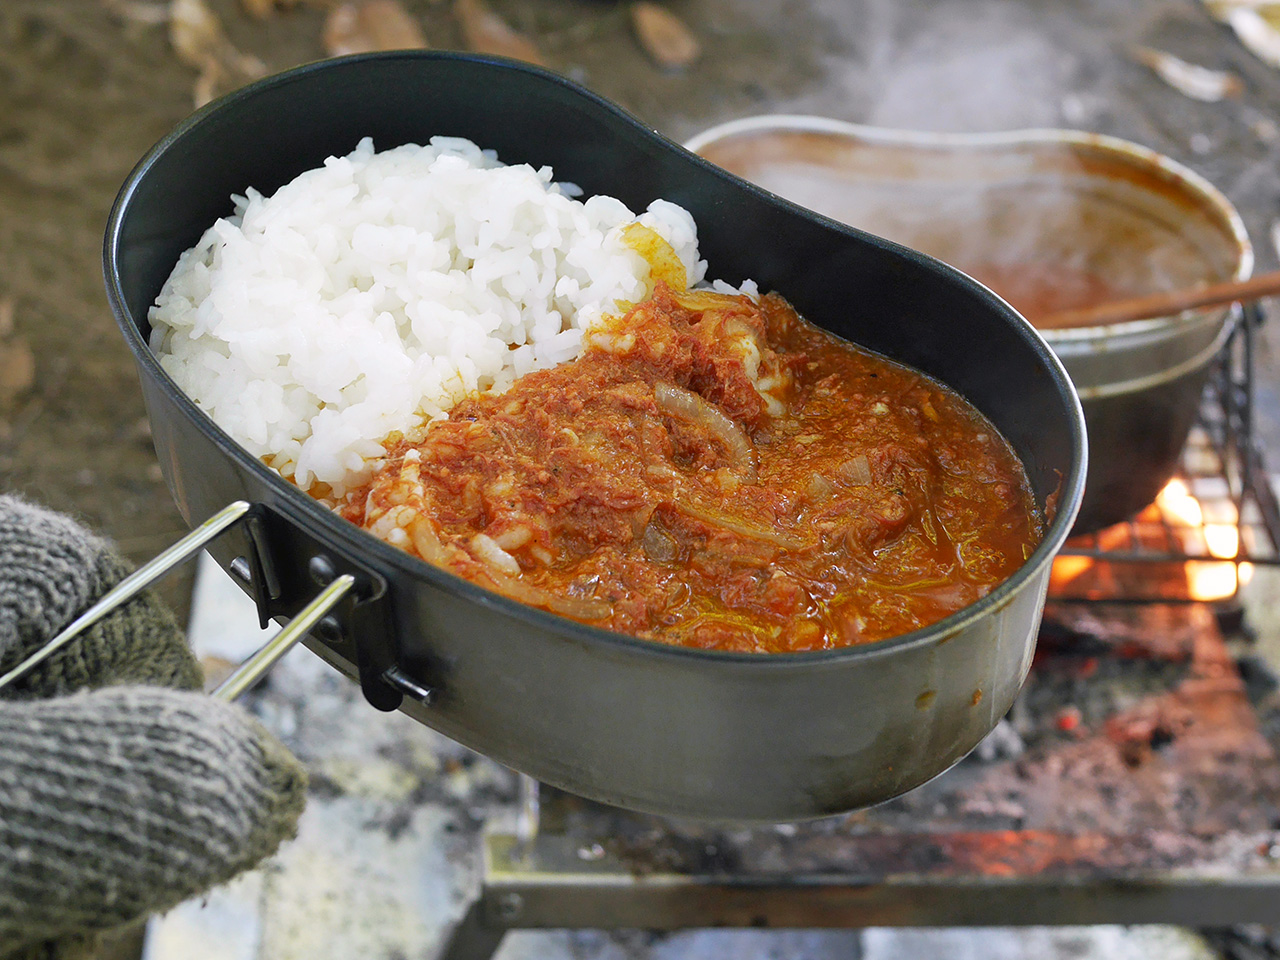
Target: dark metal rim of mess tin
<point>626,721</point>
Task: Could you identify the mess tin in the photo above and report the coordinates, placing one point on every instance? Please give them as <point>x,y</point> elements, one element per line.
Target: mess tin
<point>1041,216</point>
<point>639,724</point>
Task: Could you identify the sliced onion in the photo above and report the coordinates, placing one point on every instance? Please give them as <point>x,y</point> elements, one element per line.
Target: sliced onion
<point>427,542</point>
<point>742,527</point>
<point>658,544</point>
<point>819,489</point>
<point>579,609</point>
<point>691,408</point>
<point>856,470</point>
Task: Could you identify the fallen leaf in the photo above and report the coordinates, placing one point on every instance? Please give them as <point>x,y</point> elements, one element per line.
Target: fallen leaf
<point>7,310</point>
<point>486,32</point>
<point>1197,82</point>
<point>1256,24</point>
<point>664,36</point>
<point>17,369</point>
<point>208,83</point>
<point>195,32</point>
<point>140,431</point>
<point>371,25</point>
<point>1260,32</point>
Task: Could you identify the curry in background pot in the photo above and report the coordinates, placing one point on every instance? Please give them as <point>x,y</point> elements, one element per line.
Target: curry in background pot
<point>716,472</point>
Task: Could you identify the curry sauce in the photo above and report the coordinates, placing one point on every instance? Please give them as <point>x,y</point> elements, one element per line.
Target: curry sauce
<point>716,472</point>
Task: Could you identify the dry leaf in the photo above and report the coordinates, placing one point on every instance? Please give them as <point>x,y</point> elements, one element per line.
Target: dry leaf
<point>17,369</point>
<point>664,36</point>
<point>485,32</point>
<point>225,73</point>
<point>1259,30</point>
<point>197,37</point>
<point>1197,82</point>
<point>7,310</point>
<point>371,25</point>
<point>1256,23</point>
<point>208,83</point>
<point>195,32</point>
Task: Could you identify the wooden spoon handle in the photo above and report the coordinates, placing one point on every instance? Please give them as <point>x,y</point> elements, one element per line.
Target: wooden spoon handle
<point>1164,304</point>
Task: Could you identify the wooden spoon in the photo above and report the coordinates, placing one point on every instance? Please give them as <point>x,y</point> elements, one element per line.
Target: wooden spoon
<point>1163,304</point>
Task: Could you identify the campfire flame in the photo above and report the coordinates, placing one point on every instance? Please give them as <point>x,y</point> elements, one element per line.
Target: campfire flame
<point>1207,531</point>
<point>1207,580</point>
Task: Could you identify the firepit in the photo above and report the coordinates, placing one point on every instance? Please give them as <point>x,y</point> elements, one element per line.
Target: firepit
<point>1140,791</point>
<point>1210,524</point>
<point>1131,782</point>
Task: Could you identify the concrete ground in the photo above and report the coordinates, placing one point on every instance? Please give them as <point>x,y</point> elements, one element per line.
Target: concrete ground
<point>383,863</point>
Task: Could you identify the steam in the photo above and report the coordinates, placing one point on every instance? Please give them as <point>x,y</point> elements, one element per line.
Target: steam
<point>948,67</point>
<point>967,75</point>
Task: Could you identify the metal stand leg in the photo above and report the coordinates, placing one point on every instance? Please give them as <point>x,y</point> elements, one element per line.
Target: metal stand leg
<point>476,937</point>
<point>472,938</point>
<point>529,814</point>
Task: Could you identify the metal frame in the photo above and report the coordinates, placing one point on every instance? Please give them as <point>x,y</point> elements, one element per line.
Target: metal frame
<point>548,881</point>
<point>1223,448</point>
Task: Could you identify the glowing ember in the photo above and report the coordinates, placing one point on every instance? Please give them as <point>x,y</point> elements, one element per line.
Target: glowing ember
<point>1065,569</point>
<point>1223,539</point>
<point>1207,580</point>
<point>1179,507</point>
<point>1211,580</point>
<point>1244,572</point>
<point>1177,523</point>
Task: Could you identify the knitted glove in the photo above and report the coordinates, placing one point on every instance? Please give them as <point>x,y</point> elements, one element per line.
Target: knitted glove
<point>122,801</point>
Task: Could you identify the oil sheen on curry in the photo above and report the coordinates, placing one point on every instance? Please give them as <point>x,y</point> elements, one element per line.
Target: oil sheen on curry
<point>716,472</point>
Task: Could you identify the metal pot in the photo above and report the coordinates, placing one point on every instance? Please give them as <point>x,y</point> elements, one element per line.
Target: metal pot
<point>621,720</point>
<point>1129,215</point>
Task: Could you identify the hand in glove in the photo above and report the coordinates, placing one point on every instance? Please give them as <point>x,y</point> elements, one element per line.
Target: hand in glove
<point>123,791</point>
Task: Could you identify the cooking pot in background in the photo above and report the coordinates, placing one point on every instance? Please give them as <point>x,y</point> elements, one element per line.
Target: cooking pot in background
<point>625,721</point>
<point>1048,219</point>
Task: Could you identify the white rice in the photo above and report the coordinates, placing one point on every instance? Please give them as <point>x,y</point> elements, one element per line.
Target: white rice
<point>372,294</point>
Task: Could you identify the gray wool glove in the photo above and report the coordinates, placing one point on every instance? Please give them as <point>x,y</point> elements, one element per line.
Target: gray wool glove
<point>122,790</point>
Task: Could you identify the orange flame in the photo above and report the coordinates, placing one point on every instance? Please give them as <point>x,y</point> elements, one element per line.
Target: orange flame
<point>1207,531</point>
<point>1207,580</point>
<point>1212,580</point>
<point>1179,507</point>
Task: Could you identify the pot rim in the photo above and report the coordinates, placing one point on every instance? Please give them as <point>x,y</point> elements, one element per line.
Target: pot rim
<point>298,507</point>
<point>1126,149</point>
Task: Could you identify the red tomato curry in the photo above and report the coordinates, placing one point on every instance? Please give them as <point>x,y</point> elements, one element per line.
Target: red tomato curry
<point>717,473</point>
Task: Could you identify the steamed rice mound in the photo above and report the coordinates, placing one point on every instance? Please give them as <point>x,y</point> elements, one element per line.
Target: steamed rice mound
<point>370,295</point>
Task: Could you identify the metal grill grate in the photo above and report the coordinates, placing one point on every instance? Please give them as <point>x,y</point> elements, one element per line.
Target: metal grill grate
<point>1219,515</point>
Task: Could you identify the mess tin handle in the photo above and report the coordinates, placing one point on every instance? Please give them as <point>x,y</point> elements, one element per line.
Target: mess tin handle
<point>265,581</point>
